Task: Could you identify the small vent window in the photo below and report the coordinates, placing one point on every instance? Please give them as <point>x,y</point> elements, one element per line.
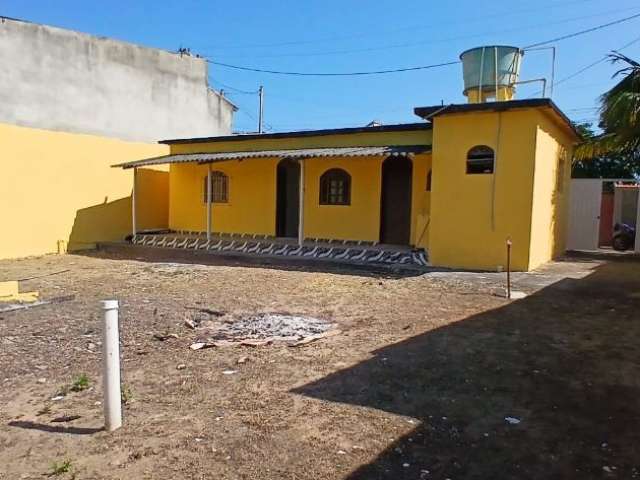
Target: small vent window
<point>480,160</point>
<point>219,188</point>
<point>335,187</point>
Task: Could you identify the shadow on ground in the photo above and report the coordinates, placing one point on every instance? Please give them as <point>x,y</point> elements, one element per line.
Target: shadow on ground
<point>564,362</point>
<point>43,427</point>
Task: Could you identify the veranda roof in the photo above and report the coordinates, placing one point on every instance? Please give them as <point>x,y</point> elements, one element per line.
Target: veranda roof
<point>384,151</point>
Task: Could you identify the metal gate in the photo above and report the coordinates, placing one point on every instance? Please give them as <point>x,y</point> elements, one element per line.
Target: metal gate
<point>584,214</point>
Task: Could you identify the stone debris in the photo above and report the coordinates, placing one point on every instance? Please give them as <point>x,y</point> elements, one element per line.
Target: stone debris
<point>166,336</point>
<point>11,307</point>
<point>65,418</point>
<point>517,295</point>
<point>512,420</point>
<point>263,329</point>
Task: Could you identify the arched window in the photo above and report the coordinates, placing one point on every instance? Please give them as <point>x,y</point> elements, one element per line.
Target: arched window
<point>335,187</point>
<point>219,188</point>
<point>480,160</point>
<point>429,181</point>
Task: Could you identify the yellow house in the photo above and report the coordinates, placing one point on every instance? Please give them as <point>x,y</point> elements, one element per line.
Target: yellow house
<point>448,191</point>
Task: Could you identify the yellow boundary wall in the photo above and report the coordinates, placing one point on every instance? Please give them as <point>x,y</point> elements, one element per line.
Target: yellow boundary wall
<point>58,190</point>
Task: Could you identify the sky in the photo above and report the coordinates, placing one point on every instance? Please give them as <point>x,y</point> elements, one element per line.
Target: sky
<point>358,35</point>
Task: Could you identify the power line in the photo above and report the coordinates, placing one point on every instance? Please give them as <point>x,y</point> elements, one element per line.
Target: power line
<point>431,41</point>
<point>410,69</point>
<point>582,109</point>
<point>249,115</point>
<point>591,65</point>
<point>333,74</point>
<point>582,32</point>
<point>588,67</point>
<point>234,89</point>
<point>411,28</point>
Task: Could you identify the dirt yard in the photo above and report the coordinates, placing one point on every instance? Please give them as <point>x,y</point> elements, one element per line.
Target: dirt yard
<point>432,377</point>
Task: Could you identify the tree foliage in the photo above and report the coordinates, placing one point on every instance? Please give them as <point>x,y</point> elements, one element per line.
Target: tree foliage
<point>607,165</point>
<point>619,116</point>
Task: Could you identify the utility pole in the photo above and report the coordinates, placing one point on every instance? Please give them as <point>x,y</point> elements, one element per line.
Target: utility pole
<point>261,109</point>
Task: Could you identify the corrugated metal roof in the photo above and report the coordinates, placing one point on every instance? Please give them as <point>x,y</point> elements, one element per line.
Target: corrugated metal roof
<point>384,151</point>
<point>401,127</point>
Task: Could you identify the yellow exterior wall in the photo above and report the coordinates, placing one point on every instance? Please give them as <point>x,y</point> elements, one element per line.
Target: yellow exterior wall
<point>252,194</point>
<point>111,220</point>
<point>527,193</point>
<point>252,188</point>
<point>358,221</point>
<point>463,232</point>
<point>552,181</point>
<point>252,199</point>
<point>464,221</point>
<point>421,202</point>
<point>361,219</point>
<point>57,186</point>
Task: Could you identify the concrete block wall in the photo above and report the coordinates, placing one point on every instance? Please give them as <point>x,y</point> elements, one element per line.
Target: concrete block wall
<point>57,79</point>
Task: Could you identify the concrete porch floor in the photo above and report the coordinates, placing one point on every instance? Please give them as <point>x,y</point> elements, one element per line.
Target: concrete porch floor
<point>266,247</point>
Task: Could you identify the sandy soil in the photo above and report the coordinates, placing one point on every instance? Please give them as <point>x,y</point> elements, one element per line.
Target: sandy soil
<point>417,386</point>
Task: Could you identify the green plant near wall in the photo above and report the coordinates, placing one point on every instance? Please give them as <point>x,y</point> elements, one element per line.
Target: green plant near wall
<point>619,116</point>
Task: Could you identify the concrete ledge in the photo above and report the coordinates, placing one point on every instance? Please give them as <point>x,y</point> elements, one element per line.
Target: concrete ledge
<point>165,254</point>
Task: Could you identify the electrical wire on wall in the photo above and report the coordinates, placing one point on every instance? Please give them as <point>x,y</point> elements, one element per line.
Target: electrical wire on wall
<point>495,172</point>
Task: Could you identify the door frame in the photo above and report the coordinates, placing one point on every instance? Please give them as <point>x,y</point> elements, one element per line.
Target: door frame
<point>410,167</point>
<point>281,225</point>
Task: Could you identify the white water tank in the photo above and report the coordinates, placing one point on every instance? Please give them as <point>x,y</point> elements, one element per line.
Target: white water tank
<point>491,72</point>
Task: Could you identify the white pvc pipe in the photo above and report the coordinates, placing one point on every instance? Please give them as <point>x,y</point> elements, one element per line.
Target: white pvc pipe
<point>111,367</point>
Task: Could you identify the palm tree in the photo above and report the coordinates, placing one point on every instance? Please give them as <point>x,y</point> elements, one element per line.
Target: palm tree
<point>619,116</point>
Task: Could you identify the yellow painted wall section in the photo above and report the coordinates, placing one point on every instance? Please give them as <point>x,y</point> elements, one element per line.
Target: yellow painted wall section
<point>57,186</point>
<point>552,181</point>
<point>421,202</point>
<point>361,219</point>
<point>358,221</point>
<point>462,233</point>
<point>252,188</point>
<point>410,137</point>
<point>252,197</point>
<point>111,220</point>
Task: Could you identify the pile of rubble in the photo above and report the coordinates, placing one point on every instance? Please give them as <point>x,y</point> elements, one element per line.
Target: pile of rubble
<point>262,329</point>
